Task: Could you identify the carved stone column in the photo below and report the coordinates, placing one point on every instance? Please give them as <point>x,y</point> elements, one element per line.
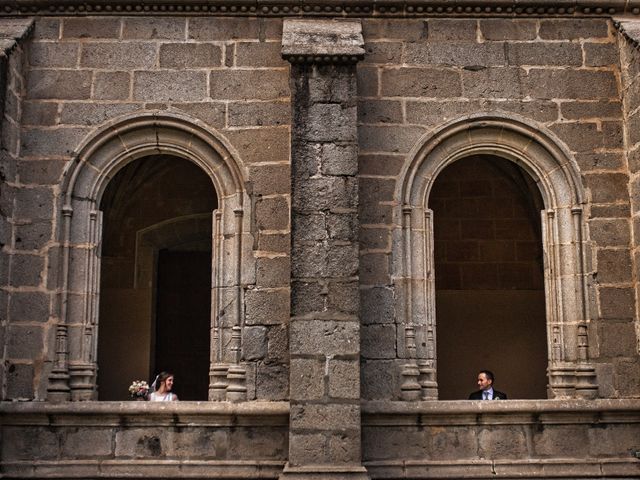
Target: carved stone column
<point>324,438</point>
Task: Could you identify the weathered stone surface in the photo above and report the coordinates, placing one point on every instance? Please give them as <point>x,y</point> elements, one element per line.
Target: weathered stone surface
<point>24,341</point>
<point>34,204</point>
<point>306,448</point>
<point>212,113</point>
<point>561,29</point>
<point>278,343</point>
<point>169,86</point>
<point>259,54</point>
<point>244,114</point>
<point>316,337</point>
<point>273,213</point>
<point>332,417</point>
<point>112,85</point>
<point>26,270</point>
<point>322,37</point>
<point>307,297</point>
<point>61,142</point>
<point>184,55</point>
<point>254,343</point>
<point>276,242</point>
<point>272,382</point>
<point>96,27</point>
<point>607,188</point>
<point>383,52</point>
<point>60,84</point>
<point>29,307</point>
<point>266,307</point>
<point>614,266</point>
<point>267,144</point>
<point>344,379</point>
<point>378,341</point>
<point>41,444</point>
<point>497,29</point>
<point>420,82</point>
<point>40,113</point>
<point>118,55</point>
<point>94,113</point>
<point>87,443</point>
<point>401,29</point>
<point>616,338</point>
<point>48,55</point>
<point>273,272</point>
<point>223,28</point>
<point>245,84</point>
<point>377,305</point>
<point>150,28</point>
<point>539,53</point>
<point>20,386</point>
<point>380,111</point>
<point>570,84</point>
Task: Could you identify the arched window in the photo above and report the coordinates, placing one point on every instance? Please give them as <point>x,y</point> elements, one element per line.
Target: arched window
<point>489,280</point>
<point>553,171</point>
<point>138,141</point>
<point>156,276</point>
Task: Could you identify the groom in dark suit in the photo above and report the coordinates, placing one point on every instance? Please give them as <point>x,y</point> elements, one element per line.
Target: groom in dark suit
<point>486,392</point>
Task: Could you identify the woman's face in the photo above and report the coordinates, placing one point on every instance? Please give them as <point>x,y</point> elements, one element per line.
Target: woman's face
<point>168,384</point>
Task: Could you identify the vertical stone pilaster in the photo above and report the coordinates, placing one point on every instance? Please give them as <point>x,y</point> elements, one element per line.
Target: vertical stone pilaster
<point>324,438</point>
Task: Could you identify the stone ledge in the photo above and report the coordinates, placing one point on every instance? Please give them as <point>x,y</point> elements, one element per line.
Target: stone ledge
<point>137,468</point>
<point>510,412</point>
<point>540,468</point>
<point>145,413</point>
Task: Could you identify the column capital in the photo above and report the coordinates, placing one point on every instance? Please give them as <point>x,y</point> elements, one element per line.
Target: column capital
<point>322,41</point>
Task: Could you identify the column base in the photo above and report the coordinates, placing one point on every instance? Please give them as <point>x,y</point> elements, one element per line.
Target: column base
<point>324,472</point>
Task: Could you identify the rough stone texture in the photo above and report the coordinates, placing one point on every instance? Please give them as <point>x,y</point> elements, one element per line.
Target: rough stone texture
<point>322,299</point>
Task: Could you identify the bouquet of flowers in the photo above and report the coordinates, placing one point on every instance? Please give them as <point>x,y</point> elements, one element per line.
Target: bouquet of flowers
<point>138,390</point>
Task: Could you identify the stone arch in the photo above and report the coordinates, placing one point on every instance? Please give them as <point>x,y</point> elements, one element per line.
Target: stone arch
<point>97,160</point>
<point>565,247</point>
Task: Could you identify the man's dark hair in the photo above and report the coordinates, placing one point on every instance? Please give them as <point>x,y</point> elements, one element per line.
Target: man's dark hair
<point>488,373</point>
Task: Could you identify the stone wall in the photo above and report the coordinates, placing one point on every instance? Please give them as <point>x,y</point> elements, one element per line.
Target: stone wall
<point>81,72</point>
<point>297,274</point>
<point>20,263</point>
<point>629,60</point>
<point>562,74</point>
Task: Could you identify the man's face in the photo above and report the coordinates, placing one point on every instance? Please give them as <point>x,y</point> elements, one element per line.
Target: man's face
<point>483,382</point>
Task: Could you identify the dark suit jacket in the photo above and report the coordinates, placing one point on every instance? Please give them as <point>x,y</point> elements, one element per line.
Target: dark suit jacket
<point>496,395</point>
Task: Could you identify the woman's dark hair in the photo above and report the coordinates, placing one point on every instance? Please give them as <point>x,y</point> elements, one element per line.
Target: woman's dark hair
<point>162,377</point>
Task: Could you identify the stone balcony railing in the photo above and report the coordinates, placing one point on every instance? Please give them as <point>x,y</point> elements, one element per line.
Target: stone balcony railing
<point>447,439</point>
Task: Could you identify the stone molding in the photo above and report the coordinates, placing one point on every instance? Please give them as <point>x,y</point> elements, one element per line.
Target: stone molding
<point>630,29</point>
<point>391,8</point>
<point>564,239</point>
<point>133,413</point>
<point>322,41</point>
<point>97,160</point>
<point>12,30</point>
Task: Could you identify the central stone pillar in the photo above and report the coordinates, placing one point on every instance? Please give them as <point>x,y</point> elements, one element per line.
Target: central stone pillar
<point>324,342</point>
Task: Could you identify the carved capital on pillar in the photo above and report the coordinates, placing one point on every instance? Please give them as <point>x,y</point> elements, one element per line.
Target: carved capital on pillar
<point>316,41</point>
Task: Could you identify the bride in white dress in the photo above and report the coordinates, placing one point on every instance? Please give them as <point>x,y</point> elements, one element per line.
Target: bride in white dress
<point>163,392</point>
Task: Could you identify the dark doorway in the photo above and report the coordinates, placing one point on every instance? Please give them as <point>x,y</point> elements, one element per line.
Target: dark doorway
<point>182,320</point>
<point>156,230</point>
<point>489,274</point>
